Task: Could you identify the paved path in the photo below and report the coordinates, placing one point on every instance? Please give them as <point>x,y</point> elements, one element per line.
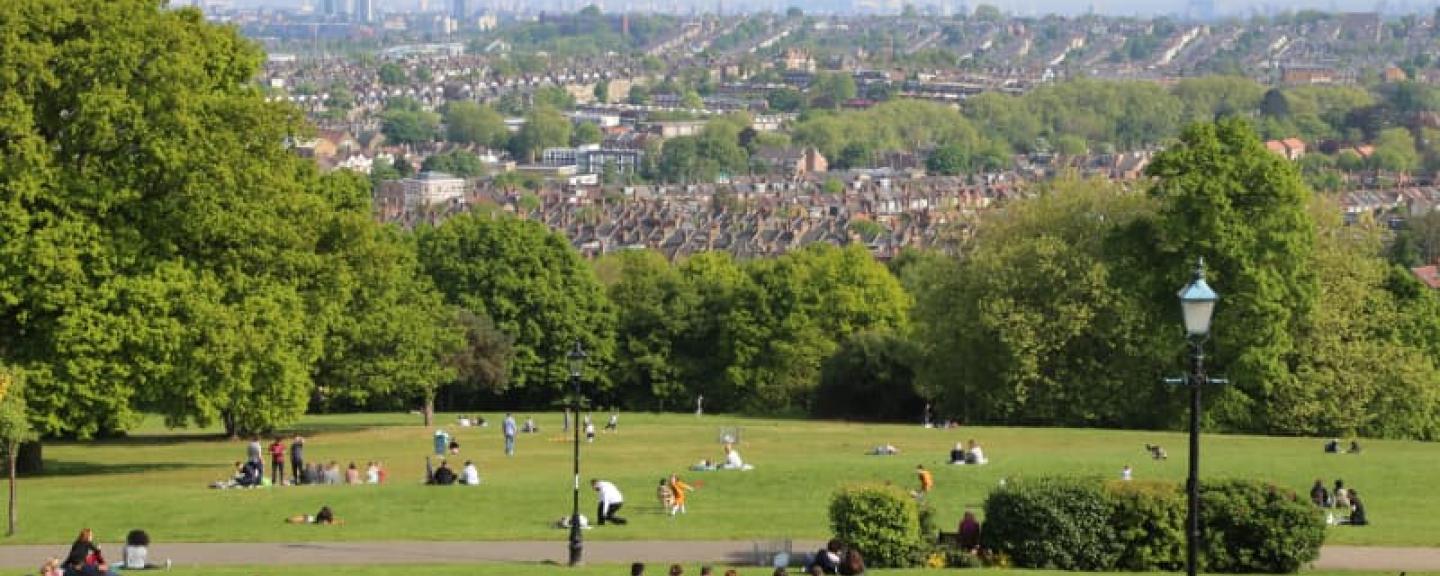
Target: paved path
<point>600,552</point>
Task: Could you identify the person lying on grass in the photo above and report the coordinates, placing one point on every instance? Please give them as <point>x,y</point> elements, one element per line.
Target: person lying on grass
<point>324,516</point>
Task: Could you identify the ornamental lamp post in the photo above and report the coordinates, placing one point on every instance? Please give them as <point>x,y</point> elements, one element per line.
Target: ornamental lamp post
<point>1197,303</point>
<point>577,363</point>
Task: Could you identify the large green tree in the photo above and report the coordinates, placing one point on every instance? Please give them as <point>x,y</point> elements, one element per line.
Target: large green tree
<point>534,286</point>
<point>468,122</point>
<point>1246,212</point>
<point>545,127</point>
<point>654,307</point>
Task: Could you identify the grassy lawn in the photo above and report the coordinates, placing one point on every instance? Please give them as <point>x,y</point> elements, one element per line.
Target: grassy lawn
<point>157,479</point>
<point>602,570</point>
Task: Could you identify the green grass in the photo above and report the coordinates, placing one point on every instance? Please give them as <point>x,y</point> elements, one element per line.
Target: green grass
<point>156,479</point>
<point>529,569</point>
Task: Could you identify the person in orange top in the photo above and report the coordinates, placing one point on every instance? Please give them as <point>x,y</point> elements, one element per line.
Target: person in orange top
<point>678,488</point>
<point>927,480</point>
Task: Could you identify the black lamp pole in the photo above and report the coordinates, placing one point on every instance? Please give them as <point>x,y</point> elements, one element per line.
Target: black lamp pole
<point>1197,302</point>
<point>577,547</point>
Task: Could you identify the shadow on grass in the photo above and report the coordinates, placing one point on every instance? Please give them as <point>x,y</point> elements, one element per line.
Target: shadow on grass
<point>77,468</point>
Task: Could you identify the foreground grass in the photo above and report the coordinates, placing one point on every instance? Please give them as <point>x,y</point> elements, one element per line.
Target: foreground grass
<point>157,479</point>
<point>610,570</point>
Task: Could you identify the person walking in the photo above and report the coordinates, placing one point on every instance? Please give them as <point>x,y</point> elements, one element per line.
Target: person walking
<point>297,459</point>
<point>277,461</point>
<point>927,480</point>
<point>509,429</point>
<point>700,405</point>
<point>610,502</point>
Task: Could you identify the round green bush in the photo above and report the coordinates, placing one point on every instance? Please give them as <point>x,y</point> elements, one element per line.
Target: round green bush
<point>881,521</point>
<point>1054,523</point>
<point>1248,526</point>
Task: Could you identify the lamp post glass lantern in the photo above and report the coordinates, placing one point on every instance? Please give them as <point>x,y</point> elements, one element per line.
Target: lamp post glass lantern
<point>1197,304</point>
<point>577,363</point>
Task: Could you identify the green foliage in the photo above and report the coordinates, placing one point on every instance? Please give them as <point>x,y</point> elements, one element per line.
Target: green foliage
<point>1066,523</point>
<point>831,89</point>
<point>1149,520</point>
<point>880,521</point>
<point>1255,527</point>
<point>392,74</point>
<point>535,288</point>
<point>545,127</point>
<point>655,311</point>
<point>15,426</point>
<point>468,122</point>
<point>586,133</point>
<point>1247,214</point>
<point>1039,304</point>
<point>871,376</point>
<point>455,162</point>
<point>409,125</point>
<point>1053,523</point>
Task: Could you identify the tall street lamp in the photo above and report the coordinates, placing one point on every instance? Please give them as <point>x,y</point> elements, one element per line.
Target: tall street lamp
<point>1197,303</point>
<point>577,363</point>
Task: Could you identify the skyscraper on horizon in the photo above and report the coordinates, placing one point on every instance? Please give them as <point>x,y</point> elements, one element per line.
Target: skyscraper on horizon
<point>365,11</point>
<point>459,10</point>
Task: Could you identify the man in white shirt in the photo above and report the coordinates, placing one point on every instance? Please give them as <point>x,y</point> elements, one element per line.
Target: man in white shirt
<point>470,475</point>
<point>610,501</point>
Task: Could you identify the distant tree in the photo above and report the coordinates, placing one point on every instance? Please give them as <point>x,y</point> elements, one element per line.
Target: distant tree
<point>456,162</point>
<point>691,99</point>
<point>468,122</point>
<point>602,91</point>
<point>1395,151</point>
<point>871,376</point>
<point>410,126</point>
<point>552,97</point>
<point>833,186</point>
<point>1275,104</point>
<point>949,160</point>
<point>392,74</point>
<point>639,95</point>
<point>483,361</point>
<point>586,133</point>
<point>987,13</point>
<point>832,88</point>
<point>545,127</point>
<point>785,100</point>
<point>655,309</point>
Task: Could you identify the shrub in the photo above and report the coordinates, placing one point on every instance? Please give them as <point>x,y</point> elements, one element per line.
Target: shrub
<point>880,521</point>
<point>1246,526</point>
<point>1061,523</point>
<point>1149,521</point>
<point>1249,526</point>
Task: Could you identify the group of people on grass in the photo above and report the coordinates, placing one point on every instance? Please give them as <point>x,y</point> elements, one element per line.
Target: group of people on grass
<point>968,453</point>
<point>469,474</point>
<point>86,559</point>
<point>1347,500</point>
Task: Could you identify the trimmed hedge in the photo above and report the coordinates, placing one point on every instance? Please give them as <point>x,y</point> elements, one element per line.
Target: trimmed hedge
<point>881,521</point>
<point>1089,524</point>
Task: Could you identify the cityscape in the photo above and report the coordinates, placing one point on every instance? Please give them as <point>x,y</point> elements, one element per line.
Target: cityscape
<point>507,287</point>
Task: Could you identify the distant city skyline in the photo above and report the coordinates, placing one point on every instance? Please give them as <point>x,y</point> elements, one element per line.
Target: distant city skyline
<point>1222,8</point>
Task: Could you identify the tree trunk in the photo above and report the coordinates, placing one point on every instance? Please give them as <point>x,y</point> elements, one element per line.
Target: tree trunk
<point>10,449</point>
<point>30,458</point>
<point>429,410</point>
<point>231,429</point>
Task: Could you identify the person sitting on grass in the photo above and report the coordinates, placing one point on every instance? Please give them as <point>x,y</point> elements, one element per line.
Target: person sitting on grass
<point>884,450</point>
<point>1340,497</point>
<point>444,476</point>
<point>827,559</point>
<point>969,533</point>
<point>957,454</point>
<point>324,517</point>
<point>1357,511</point>
<point>974,455</point>
<point>51,567</point>
<point>136,551</point>
<point>1319,495</point>
<point>352,474</point>
<point>372,473</point>
<point>529,427</point>
<point>637,569</point>
<point>733,461</point>
<point>470,475</point>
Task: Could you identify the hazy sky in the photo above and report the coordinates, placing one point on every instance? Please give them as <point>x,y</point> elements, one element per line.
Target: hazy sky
<point>1024,7</point>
